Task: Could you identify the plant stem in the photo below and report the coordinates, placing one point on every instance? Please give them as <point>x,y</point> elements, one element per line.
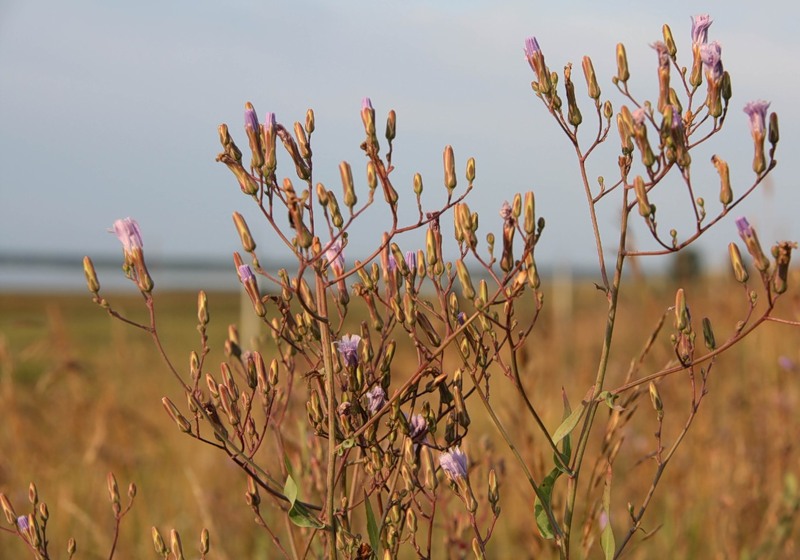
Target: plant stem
<point>327,359</point>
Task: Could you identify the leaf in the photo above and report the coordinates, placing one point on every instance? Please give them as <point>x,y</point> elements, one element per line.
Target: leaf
<point>298,513</point>
<point>540,510</point>
<point>372,528</point>
<point>569,423</point>
<point>610,399</point>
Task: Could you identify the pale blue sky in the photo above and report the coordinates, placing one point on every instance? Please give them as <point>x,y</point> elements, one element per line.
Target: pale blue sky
<point>110,109</point>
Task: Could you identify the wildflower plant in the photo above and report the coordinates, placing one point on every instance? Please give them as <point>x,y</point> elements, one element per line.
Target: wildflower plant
<point>371,457</point>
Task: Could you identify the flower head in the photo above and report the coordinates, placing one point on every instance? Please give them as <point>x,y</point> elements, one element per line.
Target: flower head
<point>245,273</point>
<point>531,46</point>
<point>127,231</point>
<point>250,117</point>
<point>392,263</point>
<point>711,54</point>
<point>663,53</point>
<point>376,399</point>
<point>335,257</point>
<point>745,230</point>
<point>417,428</point>
<point>366,103</point>
<point>269,122</point>
<point>23,523</point>
<point>348,348</point>
<point>506,211</point>
<point>411,260</point>
<point>787,364</point>
<point>639,115</point>
<point>700,25</point>
<point>757,111</point>
<point>454,463</point>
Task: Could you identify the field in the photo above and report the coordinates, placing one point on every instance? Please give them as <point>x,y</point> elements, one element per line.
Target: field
<point>80,396</point>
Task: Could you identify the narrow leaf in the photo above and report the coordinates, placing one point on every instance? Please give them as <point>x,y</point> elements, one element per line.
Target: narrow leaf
<point>569,423</point>
<point>298,513</point>
<point>607,536</point>
<point>372,528</point>
<point>540,509</point>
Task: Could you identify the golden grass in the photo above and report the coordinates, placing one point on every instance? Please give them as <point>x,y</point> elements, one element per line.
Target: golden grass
<point>80,396</point>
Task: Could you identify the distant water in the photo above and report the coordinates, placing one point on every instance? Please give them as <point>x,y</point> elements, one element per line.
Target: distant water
<point>66,275</point>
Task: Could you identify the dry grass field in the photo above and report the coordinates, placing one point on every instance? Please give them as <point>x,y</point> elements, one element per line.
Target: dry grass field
<point>80,395</point>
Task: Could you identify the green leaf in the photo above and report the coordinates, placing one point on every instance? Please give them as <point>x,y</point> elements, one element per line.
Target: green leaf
<point>298,513</point>
<point>540,509</point>
<point>372,528</point>
<point>569,423</point>
<point>607,541</point>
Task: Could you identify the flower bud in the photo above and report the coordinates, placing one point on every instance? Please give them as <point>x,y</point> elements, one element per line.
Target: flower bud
<point>783,254</point>
<point>573,112</point>
<point>708,334</point>
<point>622,64</point>
<point>471,169</point>
<point>645,208</point>
<point>91,275</point>
<point>248,243</point>
<point>774,133</point>
<point>591,78</point>
<point>655,398</point>
<point>302,140</point>
<point>739,270</point>
<point>309,123</point>
<point>372,176</point>
<point>669,41</point>
<point>725,191</point>
<point>449,169</point>
<point>175,544</point>
<point>205,541</point>
<point>158,543</point>
<point>417,184</point>
<point>176,416</point>
<point>750,238</point>
<point>203,316</point>
<point>347,184</point>
<point>529,223</point>
<point>391,126</point>
<point>681,311</point>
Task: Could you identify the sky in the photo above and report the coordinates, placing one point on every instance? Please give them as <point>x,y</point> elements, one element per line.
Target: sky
<point>111,109</point>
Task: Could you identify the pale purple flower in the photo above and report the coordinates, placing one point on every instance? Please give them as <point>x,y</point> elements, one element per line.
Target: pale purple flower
<point>505,211</point>
<point>366,104</point>
<point>602,520</point>
<point>245,273</point>
<point>335,257</point>
<point>663,53</point>
<point>23,523</point>
<point>700,25</point>
<point>757,111</point>
<point>269,122</point>
<point>348,348</point>
<point>127,231</point>
<point>411,260</point>
<point>392,263</point>
<point>745,230</point>
<point>250,117</point>
<point>454,463</point>
<point>461,318</point>
<point>711,54</point>
<point>376,399</point>
<point>639,115</point>
<point>531,46</point>
<point>417,428</point>
<point>677,120</point>
<point>787,364</point>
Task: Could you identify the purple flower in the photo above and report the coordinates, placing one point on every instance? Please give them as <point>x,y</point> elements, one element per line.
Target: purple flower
<point>250,118</point>
<point>366,104</point>
<point>417,428</point>
<point>392,263</point>
<point>376,399</point>
<point>335,257</point>
<point>127,231</point>
<point>505,211</point>
<point>454,463</point>
<point>411,260</point>
<point>757,111</point>
<point>677,120</point>
<point>711,54</point>
<point>639,115</point>
<point>745,230</point>
<point>461,317</point>
<point>245,273</point>
<point>787,364</point>
<point>531,46</point>
<point>348,348</point>
<point>700,25</point>
<point>663,53</point>
<point>269,122</point>
<point>23,523</point>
